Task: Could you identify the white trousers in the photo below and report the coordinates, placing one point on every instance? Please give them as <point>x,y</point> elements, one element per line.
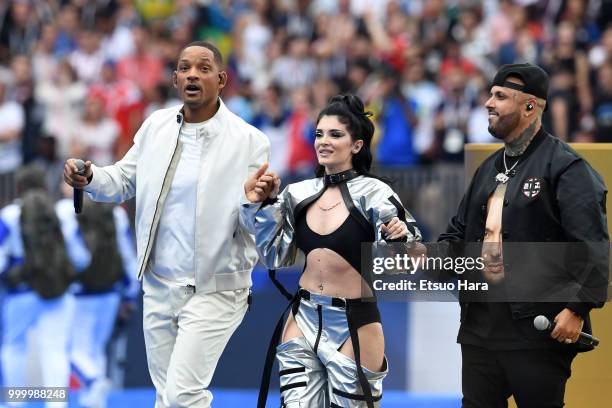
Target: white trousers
<point>185,334</point>
<point>52,320</point>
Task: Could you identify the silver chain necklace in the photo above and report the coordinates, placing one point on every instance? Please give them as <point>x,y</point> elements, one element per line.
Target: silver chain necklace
<point>503,177</point>
<point>330,208</point>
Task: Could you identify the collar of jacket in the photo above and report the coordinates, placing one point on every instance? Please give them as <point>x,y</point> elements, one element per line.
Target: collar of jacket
<point>337,178</point>
<point>213,125</point>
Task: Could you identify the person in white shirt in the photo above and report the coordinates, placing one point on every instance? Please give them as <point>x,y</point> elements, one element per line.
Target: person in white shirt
<point>12,118</point>
<point>186,168</point>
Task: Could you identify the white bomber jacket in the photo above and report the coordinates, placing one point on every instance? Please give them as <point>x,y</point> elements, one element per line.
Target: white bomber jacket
<point>224,251</point>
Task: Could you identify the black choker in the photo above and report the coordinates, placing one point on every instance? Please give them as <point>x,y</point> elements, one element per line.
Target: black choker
<point>337,178</point>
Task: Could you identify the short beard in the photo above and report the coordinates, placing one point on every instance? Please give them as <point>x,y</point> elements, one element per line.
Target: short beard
<point>505,125</point>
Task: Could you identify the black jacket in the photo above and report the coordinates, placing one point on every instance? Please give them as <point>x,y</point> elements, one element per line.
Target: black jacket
<point>554,196</point>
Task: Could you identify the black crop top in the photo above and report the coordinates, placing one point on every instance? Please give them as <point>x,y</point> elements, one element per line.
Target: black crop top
<point>345,240</point>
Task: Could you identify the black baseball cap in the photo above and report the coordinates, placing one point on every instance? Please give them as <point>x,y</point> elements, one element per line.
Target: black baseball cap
<point>534,78</point>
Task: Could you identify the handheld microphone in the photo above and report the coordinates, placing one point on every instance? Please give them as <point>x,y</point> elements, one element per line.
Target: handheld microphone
<point>542,323</point>
<point>78,192</point>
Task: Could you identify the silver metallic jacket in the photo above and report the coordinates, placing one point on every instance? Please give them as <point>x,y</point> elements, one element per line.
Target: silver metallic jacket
<point>369,200</point>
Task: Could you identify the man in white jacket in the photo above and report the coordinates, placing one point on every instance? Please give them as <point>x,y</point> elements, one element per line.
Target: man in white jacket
<point>187,169</point>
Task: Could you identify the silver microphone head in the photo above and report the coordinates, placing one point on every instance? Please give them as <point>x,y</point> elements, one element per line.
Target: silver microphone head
<point>80,166</point>
<point>541,323</point>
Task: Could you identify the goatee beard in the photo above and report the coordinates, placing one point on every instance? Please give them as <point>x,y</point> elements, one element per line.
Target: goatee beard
<point>495,134</point>
<point>505,125</point>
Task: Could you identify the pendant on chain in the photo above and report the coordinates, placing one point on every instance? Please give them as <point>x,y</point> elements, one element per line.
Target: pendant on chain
<point>502,178</point>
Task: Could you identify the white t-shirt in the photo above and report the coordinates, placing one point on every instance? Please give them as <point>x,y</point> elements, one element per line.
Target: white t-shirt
<point>173,252</point>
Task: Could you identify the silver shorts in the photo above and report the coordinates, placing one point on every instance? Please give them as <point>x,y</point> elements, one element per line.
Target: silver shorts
<point>313,372</point>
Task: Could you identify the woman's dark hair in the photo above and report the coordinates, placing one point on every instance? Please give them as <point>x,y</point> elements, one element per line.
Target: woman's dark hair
<point>350,112</point>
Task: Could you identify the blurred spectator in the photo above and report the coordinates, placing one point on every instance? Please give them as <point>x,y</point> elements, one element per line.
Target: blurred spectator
<point>522,48</point>
<point>333,43</point>
<point>500,29</point>
<point>127,14</point>
<point>295,68</point>
<point>433,29</point>
<point>451,119</point>
<point>272,120</point>
<point>471,33</point>
<point>62,98</point>
<point>300,136</point>
<point>453,60</point>
<point>575,13</point>
<point>160,99</point>
<point>427,96</point>
<point>44,62</point>
<point>95,135</point>
<point>252,34</point>
<point>602,51</point>
<point>143,68</point>
<point>24,94</point>
<point>322,90</point>
<point>299,20</point>
<point>359,80</point>
<point>602,109</point>
<point>391,40</point>
<point>117,39</point>
<point>68,24</point>
<point>361,7</point>
<point>12,118</point>
<point>122,99</point>
<point>238,100</point>
<point>570,95</point>
<point>88,58</point>
<point>20,29</point>
<point>397,120</point>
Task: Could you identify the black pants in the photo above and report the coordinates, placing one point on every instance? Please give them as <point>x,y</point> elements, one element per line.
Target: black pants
<point>536,378</point>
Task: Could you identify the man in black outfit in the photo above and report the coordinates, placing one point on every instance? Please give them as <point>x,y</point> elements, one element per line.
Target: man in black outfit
<point>547,194</point>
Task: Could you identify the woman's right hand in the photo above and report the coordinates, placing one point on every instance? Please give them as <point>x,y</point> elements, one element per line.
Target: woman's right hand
<point>261,185</point>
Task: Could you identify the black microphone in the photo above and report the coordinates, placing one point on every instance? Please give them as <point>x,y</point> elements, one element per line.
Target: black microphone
<point>542,323</point>
<point>78,192</point>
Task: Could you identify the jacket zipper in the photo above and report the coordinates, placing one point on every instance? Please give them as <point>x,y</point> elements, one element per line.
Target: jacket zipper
<point>145,261</point>
<point>195,217</point>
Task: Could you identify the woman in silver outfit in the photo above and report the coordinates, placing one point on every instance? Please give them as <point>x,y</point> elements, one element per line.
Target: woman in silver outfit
<point>332,348</point>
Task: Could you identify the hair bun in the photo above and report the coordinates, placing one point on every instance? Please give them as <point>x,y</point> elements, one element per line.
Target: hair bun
<point>353,103</point>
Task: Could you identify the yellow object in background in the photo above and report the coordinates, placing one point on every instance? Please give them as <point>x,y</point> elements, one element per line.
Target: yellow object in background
<point>155,9</point>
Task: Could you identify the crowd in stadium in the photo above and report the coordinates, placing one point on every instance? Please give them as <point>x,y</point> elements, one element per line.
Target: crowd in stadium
<point>78,77</point>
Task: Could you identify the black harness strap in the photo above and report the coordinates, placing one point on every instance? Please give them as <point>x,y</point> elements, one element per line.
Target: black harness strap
<point>353,211</point>
<point>363,381</point>
<point>279,286</point>
<point>271,354</point>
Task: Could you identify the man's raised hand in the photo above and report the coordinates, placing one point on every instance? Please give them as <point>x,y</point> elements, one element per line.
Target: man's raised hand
<point>260,185</point>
